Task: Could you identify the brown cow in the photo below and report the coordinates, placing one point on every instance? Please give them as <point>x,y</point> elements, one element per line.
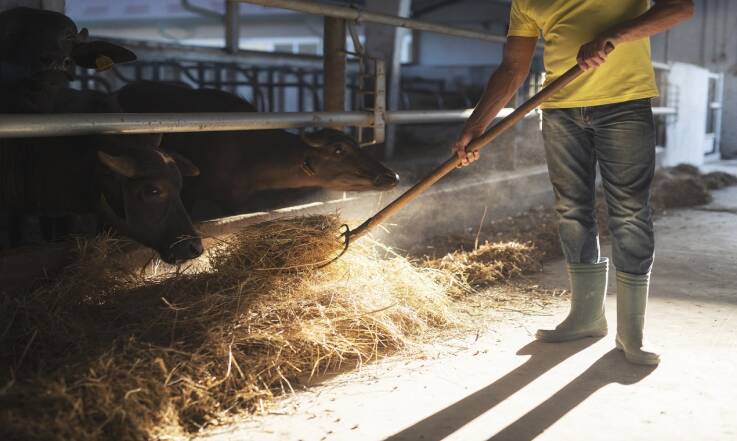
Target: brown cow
<point>236,165</point>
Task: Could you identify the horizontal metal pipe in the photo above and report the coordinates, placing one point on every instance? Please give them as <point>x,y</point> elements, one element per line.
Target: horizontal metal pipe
<point>359,15</point>
<point>441,116</point>
<point>30,126</point>
<point>426,116</point>
<point>438,116</point>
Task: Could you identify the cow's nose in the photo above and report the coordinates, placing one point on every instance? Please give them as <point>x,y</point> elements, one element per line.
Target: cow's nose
<point>68,63</point>
<point>388,179</point>
<point>195,248</point>
<point>187,249</point>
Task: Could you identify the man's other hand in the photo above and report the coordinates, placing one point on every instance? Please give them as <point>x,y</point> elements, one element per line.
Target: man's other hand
<point>459,147</point>
<point>594,53</point>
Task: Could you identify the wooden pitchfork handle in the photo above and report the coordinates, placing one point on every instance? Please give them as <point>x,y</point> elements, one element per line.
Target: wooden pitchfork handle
<point>474,146</point>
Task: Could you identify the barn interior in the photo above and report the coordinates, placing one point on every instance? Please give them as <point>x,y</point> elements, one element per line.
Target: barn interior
<point>255,292</point>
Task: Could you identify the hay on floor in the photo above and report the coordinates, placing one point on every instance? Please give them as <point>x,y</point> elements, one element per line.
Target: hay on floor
<point>718,179</point>
<point>105,353</point>
<point>675,190</point>
<point>491,263</point>
<point>680,186</point>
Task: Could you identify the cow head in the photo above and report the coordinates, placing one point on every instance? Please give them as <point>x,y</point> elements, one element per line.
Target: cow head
<point>44,46</point>
<point>337,162</point>
<point>143,186</point>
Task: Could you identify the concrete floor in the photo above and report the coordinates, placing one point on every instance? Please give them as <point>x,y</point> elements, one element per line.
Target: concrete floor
<point>505,386</point>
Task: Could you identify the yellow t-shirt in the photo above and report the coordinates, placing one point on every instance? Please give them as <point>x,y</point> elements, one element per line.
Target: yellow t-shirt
<point>565,25</point>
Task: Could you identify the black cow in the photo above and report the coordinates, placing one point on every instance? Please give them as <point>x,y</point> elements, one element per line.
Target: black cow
<point>236,165</point>
<point>134,185</point>
<point>127,179</point>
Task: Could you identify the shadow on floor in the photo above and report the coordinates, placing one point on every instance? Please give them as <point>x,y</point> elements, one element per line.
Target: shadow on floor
<point>610,368</point>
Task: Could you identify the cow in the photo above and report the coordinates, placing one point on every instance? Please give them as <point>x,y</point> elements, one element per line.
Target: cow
<point>39,50</point>
<point>235,166</point>
<point>126,179</point>
<point>131,183</point>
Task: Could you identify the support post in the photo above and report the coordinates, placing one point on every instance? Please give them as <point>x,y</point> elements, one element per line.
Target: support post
<point>380,102</point>
<point>334,65</point>
<point>386,43</point>
<point>232,26</point>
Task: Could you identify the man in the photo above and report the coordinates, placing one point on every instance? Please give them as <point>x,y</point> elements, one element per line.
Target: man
<point>602,117</point>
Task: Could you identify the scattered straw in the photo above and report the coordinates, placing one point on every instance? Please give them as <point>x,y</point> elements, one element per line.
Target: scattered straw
<point>685,186</point>
<point>674,190</point>
<point>680,186</point>
<point>491,262</point>
<point>719,179</point>
<point>105,353</point>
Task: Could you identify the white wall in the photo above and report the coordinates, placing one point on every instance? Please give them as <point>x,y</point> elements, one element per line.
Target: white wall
<point>709,40</point>
<point>686,131</point>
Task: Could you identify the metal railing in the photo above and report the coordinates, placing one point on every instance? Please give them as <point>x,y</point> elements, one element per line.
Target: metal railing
<point>265,87</point>
<point>85,124</point>
<point>268,87</point>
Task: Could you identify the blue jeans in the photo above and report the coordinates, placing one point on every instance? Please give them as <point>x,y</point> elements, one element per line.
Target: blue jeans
<point>621,139</point>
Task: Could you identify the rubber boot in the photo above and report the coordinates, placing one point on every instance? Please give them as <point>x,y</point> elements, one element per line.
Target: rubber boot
<point>586,318</point>
<point>632,292</point>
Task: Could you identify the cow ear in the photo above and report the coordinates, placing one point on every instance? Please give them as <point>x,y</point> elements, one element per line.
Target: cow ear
<point>100,55</point>
<point>314,139</point>
<point>186,167</point>
<point>121,165</point>
<point>83,35</point>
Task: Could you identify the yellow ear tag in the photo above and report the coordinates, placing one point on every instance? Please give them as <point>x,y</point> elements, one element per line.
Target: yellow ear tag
<point>103,62</point>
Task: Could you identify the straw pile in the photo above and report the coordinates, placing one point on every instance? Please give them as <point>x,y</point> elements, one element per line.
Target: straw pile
<point>105,353</point>
<point>685,186</point>
<point>719,179</point>
<point>679,187</point>
<point>491,263</point>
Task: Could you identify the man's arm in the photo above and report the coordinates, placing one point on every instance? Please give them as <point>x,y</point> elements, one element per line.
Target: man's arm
<point>504,82</point>
<point>662,16</point>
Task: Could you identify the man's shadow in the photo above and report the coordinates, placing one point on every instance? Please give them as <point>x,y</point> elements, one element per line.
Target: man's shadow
<point>610,368</point>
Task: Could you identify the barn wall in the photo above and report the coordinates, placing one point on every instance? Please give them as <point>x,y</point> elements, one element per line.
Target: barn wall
<point>443,50</point>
